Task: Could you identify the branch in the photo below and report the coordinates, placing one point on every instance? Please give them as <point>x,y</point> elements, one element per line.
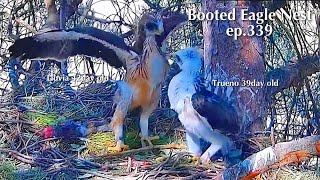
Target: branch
<point>281,154</point>
<point>85,12</point>
<point>293,73</point>
<point>105,21</point>
<point>62,14</point>
<point>168,146</point>
<point>26,25</point>
<point>152,5</point>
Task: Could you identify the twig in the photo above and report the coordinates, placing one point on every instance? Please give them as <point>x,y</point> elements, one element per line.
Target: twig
<point>26,25</point>
<point>18,121</point>
<point>169,146</point>
<point>19,156</point>
<point>272,137</point>
<point>96,173</point>
<point>37,142</point>
<point>22,158</point>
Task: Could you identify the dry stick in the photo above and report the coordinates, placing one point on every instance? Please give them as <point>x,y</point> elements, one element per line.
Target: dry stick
<point>19,156</point>
<point>169,146</point>
<point>26,25</point>
<point>15,152</point>
<point>18,121</point>
<point>22,159</point>
<point>96,173</point>
<point>31,160</point>
<point>273,142</point>
<point>85,12</point>
<point>37,142</point>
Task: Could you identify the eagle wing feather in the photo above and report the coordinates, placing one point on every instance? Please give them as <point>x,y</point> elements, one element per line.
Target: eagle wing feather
<point>61,44</point>
<point>218,112</point>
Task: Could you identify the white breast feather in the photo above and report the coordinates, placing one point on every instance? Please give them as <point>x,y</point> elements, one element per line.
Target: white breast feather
<point>180,87</point>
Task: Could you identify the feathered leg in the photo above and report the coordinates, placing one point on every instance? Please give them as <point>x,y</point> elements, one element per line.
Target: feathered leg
<point>122,99</point>
<point>144,124</point>
<point>194,146</point>
<point>200,127</point>
<point>218,142</point>
<point>144,119</point>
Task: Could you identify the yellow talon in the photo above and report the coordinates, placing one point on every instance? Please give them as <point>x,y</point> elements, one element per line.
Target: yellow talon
<point>118,148</point>
<point>195,159</point>
<point>161,159</point>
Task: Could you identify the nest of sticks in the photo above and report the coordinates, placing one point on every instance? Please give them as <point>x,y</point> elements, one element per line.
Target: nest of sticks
<point>24,154</point>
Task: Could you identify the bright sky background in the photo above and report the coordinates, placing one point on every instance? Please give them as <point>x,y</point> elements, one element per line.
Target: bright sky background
<point>106,8</point>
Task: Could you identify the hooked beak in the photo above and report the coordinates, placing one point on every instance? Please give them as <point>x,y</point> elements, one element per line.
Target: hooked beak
<point>160,28</point>
<point>178,60</point>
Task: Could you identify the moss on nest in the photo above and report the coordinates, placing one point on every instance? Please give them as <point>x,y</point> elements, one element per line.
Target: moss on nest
<point>32,174</point>
<point>98,143</point>
<point>7,171</point>
<point>132,139</point>
<point>44,119</point>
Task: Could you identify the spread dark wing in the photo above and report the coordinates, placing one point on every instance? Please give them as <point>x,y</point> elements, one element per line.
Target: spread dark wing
<point>219,113</point>
<point>61,44</point>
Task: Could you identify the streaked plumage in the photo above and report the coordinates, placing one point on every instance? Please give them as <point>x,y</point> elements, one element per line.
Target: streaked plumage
<point>200,111</point>
<point>145,72</point>
<point>142,85</point>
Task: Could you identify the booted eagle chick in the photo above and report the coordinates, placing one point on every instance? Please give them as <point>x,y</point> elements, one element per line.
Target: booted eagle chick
<point>200,111</point>
<point>145,70</point>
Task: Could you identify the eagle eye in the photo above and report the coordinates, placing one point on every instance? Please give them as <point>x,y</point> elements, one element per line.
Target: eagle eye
<point>151,26</point>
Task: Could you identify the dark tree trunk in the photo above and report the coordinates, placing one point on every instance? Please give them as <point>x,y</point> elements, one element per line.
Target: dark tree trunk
<point>233,60</point>
<point>227,59</point>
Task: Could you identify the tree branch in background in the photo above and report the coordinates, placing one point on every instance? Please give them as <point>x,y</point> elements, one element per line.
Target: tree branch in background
<point>62,14</point>
<point>71,7</point>
<point>105,21</point>
<point>152,5</point>
<point>26,25</point>
<point>293,73</point>
<point>85,12</point>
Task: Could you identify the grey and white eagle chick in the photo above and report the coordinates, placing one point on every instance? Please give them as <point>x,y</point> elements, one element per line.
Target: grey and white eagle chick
<point>200,111</point>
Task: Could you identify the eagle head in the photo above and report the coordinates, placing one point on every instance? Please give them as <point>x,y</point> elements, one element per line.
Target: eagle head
<point>189,58</point>
<point>151,23</point>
